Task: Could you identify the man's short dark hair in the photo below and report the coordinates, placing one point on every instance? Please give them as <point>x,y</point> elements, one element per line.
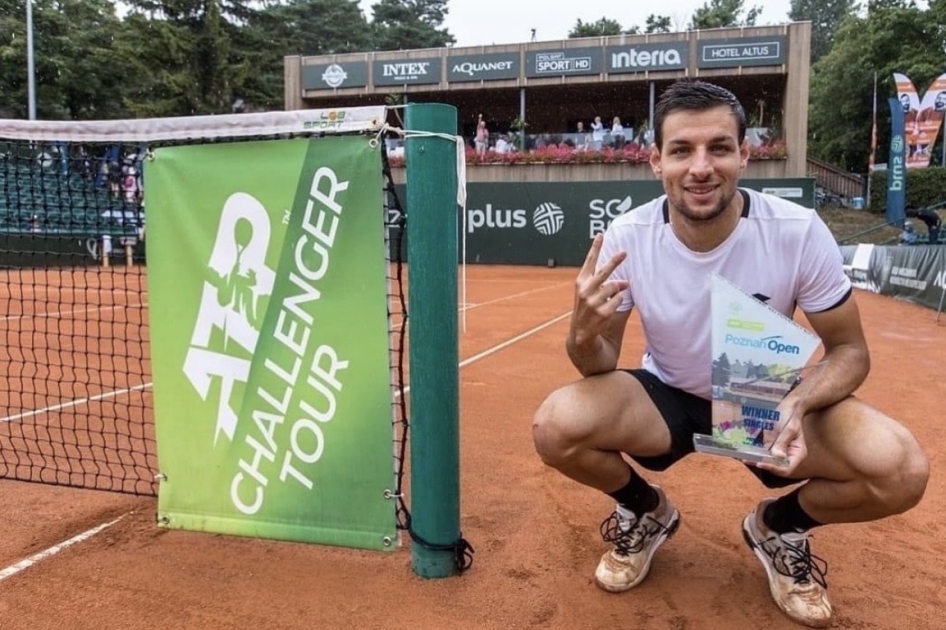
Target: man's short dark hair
<point>696,96</point>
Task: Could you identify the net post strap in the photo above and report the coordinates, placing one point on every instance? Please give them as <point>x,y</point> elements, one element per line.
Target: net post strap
<point>462,549</point>
<point>461,195</point>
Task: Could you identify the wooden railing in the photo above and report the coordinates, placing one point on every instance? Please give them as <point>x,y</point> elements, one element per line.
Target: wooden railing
<point>845,185</point>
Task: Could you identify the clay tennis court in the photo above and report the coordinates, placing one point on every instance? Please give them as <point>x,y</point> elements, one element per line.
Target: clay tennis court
<point>535,532</point>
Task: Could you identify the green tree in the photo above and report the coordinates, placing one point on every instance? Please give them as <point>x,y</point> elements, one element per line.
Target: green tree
<point>405,24</point>
<point>720,13</point>
<point>77,73</point>
<point>322,27</point>
<point>894,36</point>
<point>657,24</point>
<point>825,17</point>
<point>161,82</point>
<point>196,52</point>
<point>602,28</point>
<point>721,371</point>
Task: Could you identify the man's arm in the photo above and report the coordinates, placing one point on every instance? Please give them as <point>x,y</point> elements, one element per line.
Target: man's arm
<point>600,353</point>
<point>846,354</point>
<point>597,328</point>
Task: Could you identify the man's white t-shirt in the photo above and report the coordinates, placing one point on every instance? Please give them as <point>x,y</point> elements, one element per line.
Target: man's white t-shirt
<point>780,252</point>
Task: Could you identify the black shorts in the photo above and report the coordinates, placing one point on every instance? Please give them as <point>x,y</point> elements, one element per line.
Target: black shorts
<point>686,415</point>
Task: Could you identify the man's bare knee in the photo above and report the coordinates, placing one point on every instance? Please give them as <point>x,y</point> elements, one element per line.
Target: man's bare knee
<point>556,427</point>
<point>906,487</point>
<point>902,484</point>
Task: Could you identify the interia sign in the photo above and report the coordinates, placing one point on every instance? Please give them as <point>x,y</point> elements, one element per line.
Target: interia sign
<point>647,57</point>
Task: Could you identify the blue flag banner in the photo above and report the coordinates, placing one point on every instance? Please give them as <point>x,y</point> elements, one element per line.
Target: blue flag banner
<point>896,166</point>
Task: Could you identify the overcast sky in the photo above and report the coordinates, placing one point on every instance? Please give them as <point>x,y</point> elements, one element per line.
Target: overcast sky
<point>480,22</point>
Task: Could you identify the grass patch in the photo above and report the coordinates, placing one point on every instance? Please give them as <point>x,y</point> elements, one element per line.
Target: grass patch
<point>855,226</point>
<point>845,223</point>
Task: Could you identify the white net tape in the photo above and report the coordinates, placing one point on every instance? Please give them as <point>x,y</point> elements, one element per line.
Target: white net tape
<point>311,121</point>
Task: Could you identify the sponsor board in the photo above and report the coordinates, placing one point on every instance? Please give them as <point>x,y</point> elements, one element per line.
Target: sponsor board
<point>334,76</point>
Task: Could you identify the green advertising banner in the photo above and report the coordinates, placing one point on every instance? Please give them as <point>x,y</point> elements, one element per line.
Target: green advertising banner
<point>532,223</point>
<point>269,336</point>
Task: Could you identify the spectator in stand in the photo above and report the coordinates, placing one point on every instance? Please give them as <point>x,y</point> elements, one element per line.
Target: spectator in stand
<point>130,185</point>
<point>583,139</point>
<point>115,178</point>
<point>503,145</point>
<point>597,134</point>
<point>482,137</point>
<point>617,133</point>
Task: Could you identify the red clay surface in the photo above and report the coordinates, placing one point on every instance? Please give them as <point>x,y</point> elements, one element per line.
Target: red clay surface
<point>535,532</point>
<point>75,397</point>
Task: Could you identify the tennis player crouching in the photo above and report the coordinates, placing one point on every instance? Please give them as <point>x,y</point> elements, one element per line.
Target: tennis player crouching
<point>848,462</point>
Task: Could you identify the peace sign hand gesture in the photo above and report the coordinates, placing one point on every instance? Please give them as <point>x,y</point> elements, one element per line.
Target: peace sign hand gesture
<point>596,297</point>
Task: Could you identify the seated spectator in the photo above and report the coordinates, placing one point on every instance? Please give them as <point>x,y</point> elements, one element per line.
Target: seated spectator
<point>583,139</point>
<point>503,145</point>
<point>909,235</point>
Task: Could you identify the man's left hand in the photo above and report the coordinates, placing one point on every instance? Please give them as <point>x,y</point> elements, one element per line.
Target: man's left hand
<point>787,441</point>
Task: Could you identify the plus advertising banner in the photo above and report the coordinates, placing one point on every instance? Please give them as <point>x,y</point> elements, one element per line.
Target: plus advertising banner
<point>535,223</point>
<point>269,336</point>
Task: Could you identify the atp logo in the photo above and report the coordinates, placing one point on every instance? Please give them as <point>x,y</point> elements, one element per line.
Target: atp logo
<point>548,219</point>
<point>231,312</point>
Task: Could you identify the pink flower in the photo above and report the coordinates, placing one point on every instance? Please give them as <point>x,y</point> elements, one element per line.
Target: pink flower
<point>631,153</point>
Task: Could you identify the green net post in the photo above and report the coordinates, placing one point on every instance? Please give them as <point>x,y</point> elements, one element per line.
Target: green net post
<point>432,292</point>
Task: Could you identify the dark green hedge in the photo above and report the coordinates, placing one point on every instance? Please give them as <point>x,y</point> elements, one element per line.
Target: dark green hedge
<point>925,187</point>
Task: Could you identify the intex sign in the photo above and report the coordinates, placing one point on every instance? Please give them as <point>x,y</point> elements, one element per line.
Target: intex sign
<point>647,57</point>
<point>406,71</point>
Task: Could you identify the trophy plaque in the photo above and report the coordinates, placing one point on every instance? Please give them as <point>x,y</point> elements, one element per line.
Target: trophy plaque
<point>759,356</point>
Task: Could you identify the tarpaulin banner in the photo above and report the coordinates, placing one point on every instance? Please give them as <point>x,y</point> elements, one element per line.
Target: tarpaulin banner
<point>270,345</point>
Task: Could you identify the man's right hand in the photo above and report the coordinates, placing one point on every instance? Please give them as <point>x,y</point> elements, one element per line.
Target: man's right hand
<point>596,297</point>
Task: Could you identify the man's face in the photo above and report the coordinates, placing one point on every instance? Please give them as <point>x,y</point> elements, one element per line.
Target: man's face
<point>700,161</point>
<point>940,103</point>
<point>905,103</point>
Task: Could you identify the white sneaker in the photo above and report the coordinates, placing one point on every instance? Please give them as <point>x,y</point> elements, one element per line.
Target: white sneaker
<point>796,577</point>
<point>635,541</point>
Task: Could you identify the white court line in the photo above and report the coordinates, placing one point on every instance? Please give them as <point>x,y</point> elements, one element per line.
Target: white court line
<point>516,339</point>
<point>42,555</point>
<point>27,563</point>
<point>76,402</point>
<point>499,346</point>
<point>469,307</point>
<point>110,307</point>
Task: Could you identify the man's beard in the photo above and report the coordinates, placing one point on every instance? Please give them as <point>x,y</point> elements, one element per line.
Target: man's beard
<point>693,217</point>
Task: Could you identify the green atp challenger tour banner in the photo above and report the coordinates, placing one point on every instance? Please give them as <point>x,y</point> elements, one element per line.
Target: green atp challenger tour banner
<point>269,337</point>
